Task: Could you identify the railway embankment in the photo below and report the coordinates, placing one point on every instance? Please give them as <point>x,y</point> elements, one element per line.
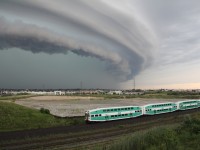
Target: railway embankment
<point>81,136</point>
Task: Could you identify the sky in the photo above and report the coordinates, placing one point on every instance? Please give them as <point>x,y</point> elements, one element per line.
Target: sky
<point>100,44</point>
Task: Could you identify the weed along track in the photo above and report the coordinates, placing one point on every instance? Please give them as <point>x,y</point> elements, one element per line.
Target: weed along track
<point>70,137</point>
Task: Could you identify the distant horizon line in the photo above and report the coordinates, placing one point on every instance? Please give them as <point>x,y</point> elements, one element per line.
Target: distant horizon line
<point>99,89</point>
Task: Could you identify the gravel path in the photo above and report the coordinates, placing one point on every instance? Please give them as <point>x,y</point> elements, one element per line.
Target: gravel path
<point>70,106</point>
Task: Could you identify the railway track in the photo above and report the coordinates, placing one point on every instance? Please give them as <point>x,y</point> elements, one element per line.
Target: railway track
<point>84,135</point>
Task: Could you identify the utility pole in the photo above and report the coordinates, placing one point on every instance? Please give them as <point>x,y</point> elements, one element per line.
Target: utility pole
<point>81,84</point>
<point>134,82</point>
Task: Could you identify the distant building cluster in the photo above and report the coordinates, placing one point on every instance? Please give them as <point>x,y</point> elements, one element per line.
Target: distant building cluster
<point>67,92</point>
<point>86,91</point>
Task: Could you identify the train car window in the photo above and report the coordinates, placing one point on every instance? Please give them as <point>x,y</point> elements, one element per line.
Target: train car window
<point>112,116</point>
<point>118,109</point>
<point>126,114</point>
<point>125,108</point>
<point>115,109</point>
<point>96,115</point>
<point>99,115</point>
<point>115,115</point>
<point>122,114</point>
<point>92,115</point>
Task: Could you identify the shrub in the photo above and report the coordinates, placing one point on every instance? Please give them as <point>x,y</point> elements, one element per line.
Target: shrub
<point>44,111</point>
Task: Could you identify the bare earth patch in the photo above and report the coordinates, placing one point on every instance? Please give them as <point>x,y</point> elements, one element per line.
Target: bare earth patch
<point>69,106</point>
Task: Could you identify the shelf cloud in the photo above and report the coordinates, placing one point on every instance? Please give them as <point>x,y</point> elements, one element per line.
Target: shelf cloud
<point>88,28</point>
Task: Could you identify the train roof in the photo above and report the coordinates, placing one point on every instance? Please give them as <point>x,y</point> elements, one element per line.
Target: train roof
<point>112,108</point>
<point>187,100</point>
<point>159,103</point>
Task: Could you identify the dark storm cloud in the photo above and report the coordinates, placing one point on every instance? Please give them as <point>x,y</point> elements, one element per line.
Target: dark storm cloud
<point>90,28</point>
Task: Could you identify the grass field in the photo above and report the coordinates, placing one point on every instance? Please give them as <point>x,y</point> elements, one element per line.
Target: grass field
<point>185,136</point>
<point>15,97</point>
<point>16,117</point>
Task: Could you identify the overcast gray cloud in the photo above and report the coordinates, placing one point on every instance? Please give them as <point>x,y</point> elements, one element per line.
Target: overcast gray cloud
<point>177,25</point>
<point>92,28</point>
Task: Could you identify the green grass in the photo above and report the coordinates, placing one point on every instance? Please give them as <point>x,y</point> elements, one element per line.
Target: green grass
<point>185,136</point>
<point>15,97</point>
<point>16,117</point>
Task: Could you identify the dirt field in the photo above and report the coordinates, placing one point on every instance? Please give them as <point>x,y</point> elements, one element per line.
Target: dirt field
<point>69,106</point>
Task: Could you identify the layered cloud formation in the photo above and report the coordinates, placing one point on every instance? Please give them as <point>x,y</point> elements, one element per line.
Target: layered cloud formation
<point>100,29</point>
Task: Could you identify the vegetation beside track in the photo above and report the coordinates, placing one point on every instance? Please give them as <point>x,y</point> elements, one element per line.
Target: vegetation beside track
<point>184,136</point>
<point>16,117</point>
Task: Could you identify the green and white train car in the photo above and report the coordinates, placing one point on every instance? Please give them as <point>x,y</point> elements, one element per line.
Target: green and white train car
<point>112,113</point>
<point>159,108</point>
<point>188,104</point>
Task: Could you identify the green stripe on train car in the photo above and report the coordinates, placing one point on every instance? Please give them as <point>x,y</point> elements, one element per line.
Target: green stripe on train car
<point>160,108</point>
<point>114,109</point>
<point>184,105</point>
<point>115,113</point>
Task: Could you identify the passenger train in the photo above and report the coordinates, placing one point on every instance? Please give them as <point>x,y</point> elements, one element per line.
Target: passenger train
<point>125,112</point>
